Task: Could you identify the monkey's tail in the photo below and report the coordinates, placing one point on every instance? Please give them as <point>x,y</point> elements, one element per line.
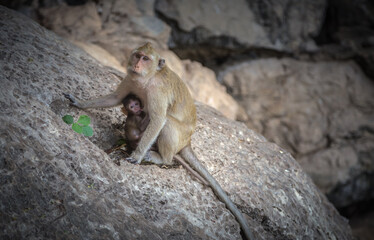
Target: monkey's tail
<point>188,154</point>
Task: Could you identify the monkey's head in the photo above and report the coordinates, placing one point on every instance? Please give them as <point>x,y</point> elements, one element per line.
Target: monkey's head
<point>145,61</point>
<point>132,105</point>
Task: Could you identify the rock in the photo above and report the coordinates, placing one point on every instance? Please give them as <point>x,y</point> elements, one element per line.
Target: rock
<point>101,55</point>
<point>277,25</point>
<point>56,184</point>
<point>205,88</point>
<point>323,113</point>
<point>116,26</point>
<point>347,32</point>
<point>363,226</point>
<point>76,22</point>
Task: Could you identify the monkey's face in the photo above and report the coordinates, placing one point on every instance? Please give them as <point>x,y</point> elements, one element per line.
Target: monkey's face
<point>141,64</point>
<point>134,107</point>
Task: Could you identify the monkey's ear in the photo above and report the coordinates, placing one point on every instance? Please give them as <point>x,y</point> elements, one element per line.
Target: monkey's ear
<point>161,63</point>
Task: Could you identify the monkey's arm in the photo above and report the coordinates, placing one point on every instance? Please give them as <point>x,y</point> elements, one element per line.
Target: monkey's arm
<point>101,102</point>
<point>144,123</point>
<point>110,100</point>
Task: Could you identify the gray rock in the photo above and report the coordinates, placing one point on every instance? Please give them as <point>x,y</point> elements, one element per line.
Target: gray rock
<point>56,184</point>
<point>82,22</point>
<point>205,88</point>
<point>348,33</point>
<point>363,226</point>
<point>323,113</point>
<point>117,26</point>
<point>286,25</point>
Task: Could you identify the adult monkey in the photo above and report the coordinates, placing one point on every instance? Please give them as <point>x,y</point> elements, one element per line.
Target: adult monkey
<point>136,123</point>
<point>172,114</point>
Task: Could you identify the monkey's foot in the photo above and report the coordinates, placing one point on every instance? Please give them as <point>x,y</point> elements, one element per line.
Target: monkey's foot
<point>150,157</point>
<point>132,160</point>
<point>153,157</point>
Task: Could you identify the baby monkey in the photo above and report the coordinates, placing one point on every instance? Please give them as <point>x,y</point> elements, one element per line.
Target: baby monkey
<point>137,121</point>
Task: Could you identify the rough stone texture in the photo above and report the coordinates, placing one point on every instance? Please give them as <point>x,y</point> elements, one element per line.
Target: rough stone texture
<point>348,33</point>
<point>205,88</point>
<point>101,55</point>
<point>117,26</point>
<point>56,184</point>
<point>323,113</point>
<point>278,25</point>
<point>82,22</point>
<point>363,226</point>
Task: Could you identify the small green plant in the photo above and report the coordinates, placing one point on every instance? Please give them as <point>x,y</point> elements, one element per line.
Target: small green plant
<point>81,126</point>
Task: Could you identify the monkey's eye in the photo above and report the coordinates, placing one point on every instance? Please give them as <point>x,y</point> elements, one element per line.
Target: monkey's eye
<point>145,58</point>
<point>138,55</point>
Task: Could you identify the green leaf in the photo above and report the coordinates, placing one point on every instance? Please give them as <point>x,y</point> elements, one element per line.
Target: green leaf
<point>68,119</point>
<point>121,142</point>
<point>77,128</point>
<point>84,120</point>
<point>87,131</point>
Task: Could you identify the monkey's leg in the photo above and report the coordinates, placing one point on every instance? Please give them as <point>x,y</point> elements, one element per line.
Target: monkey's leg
<point>153,157</point>
<point>167,143</point>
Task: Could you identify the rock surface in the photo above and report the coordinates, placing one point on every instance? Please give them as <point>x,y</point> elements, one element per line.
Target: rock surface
<point>324,118</point>
<point>277,25</point>
<point>348,33</point>
<point>205,88</point>
<point>117,26</point>
<point>101,55</point>
<point>363,226</point>
<point>56,184</point>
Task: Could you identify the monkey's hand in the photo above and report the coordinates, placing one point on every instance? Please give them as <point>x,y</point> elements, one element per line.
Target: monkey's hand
<point>73,101</point>
<point>132,160</point>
